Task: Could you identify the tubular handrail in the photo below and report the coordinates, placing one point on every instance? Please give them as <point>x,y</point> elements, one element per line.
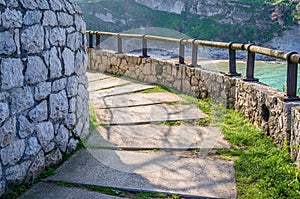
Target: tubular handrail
<point>292,58</point>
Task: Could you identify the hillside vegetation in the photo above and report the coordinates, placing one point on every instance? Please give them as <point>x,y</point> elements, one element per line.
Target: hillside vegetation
<point>236,20</point>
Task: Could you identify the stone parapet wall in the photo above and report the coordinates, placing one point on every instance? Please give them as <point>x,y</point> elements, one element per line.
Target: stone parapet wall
<point>43,87</point>
<point>261,104</point>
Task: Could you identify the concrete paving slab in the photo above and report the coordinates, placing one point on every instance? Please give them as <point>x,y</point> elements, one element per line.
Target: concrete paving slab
<point>120,90</point>
<point>106,83</point>
<point>151,136</point>
<point>51,191</point>
<point>134,99</point>
<point>150,172</point>
<point>92,76</point>
<point>148,114</point>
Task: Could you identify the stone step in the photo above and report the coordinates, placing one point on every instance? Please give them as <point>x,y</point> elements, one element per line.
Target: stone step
<point>92,76</point>
<point>151,136</point>
<point>134,87</point>
<point>150,172</point>
<point>134,99</point>
<point>148,114</point>
<point>51,191</point>
<point>106,83</point>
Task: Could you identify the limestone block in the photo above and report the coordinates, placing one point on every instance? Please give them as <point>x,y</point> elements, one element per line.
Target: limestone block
<point>58,106</point>
<point>59,85</point>
<point>39,113</point>
<point>80,63</point>
<point>55,64</point>
<point>82,92</point>
<point>25,127</point>
<point>69,8</point>
<point>54,158</point>
<point>11,19</point>
<point>32,39</point>
<point>49,18</point>
<point>42,4</point>
<point>70,120</point>
<point>45,133</point>
<point>32,17</point>
<point>32,147</point>
<point>7,43</point>
<point>7,132</point>
<point>4,112</point>
<point>68,59</point>
<point>21,99</point>
<point>79,106</point>
<point>72,86</point>
<point>42,90</point>
<point>56,5</point>
<point>37,166</point>
<point>57,37</point>
<point>13,152</point>
<point>74,41</point>
<point>72,105</point>
<point>11,73</point>
<point>72,145</point>
<point>65,19</point>
<point>49,147</point>
<point>62,138</point>
<point>15,175</point>
<point>36,71</point>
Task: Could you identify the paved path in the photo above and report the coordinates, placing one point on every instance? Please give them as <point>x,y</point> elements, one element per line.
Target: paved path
<point>137,147</point>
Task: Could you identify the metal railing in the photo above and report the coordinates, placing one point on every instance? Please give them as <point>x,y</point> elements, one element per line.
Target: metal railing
<point>292,58</point>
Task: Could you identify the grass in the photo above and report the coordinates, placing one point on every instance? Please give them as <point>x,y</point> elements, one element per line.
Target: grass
<point>262,169</point>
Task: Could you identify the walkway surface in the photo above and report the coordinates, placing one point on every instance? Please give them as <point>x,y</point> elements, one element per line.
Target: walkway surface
<point>143,141</point>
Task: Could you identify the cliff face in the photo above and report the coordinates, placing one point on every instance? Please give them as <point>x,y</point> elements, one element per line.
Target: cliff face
<point>233,12</point>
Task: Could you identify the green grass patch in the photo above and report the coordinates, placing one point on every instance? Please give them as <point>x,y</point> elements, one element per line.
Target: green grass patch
<point>93,118</point>
<point>262,169</point>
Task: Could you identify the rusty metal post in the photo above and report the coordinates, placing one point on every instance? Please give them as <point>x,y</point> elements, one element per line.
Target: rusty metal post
<point>232,62</point>
<point>91,39</point>
<point>119,43</point>
<point>181,51</point>
<point>291,82</point>
<point>98,42</point>
<point>194,54</point>
<point>250,66</point>
<point>144,48</point>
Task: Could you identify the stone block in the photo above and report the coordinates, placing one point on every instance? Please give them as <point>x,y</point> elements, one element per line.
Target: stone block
<point>62,138</point>
<point>11,73</point>
<point>40,112</point>
<point>69,61</point>
<point>57,37</point>
<point>58,106</point>
<point>21,99</point>
<point>36,70</point>
<point>42,91</point>
<point>32,39</point>
<point>11,19</point>
<point>4,112</point>
<point>32,147</point>
<point>72,86</point>
<point>7,43</point>
<point>59,85</point>
<point>65,19</point>
<point>32,17</point>
<point>54,158</point>
<point>44,132</point>
<point>13,152</point>
<point>15,175</point>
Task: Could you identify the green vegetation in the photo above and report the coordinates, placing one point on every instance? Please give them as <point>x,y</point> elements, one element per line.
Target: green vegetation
<point>209,28</point>
<point>262,169</point>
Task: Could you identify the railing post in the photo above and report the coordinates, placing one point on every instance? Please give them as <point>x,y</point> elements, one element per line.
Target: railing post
<point>181,51</point>
<point>119,43</point>
<point>97,41</point>
<point>194,54</point>
<point>250,66</point>
<point>91,39</point>
<point>291,82</point>
<point>232,62</point>
<point>144,47</point>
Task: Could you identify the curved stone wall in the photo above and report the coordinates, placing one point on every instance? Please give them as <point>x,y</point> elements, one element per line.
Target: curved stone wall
<point>43,87</point>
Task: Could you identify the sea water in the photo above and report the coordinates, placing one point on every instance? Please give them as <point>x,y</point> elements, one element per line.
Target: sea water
<point>269,73</point>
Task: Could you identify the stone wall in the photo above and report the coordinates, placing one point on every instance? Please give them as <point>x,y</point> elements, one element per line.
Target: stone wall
<point>43,87</point>
<point>261,104</point>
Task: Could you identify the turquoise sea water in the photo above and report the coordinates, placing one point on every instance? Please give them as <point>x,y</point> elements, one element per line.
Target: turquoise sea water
<point>270,73</point>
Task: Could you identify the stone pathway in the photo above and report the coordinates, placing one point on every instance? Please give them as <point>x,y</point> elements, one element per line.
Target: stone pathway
<point>137,147</point>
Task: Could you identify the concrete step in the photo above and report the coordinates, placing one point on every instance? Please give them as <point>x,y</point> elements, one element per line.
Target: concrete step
<point>199,177</point>
<point>134,99</point>
<point>106,83</point>
<point>148,114</point>
<point>151,136</point>
<point>51,191</point>
<point>134,87</point>
<point>93,76</point>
